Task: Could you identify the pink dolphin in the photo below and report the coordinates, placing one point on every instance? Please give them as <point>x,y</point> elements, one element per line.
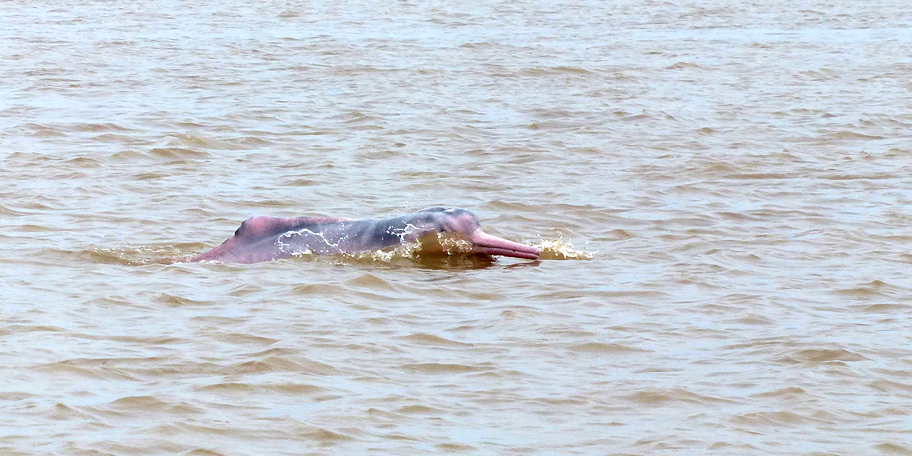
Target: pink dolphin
<point>269,238</point>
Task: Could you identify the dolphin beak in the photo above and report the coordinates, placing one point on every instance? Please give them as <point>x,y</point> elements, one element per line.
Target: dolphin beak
<point>492,245</point>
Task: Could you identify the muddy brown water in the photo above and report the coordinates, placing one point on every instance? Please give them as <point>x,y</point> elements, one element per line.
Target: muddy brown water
<point>721,192</point>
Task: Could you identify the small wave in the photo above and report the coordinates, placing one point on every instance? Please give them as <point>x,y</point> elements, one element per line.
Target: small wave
<point>442,368</point>
<point>139,256</point>
<point>119,138</point>
<point>432,340</point>
<point>657,397</point>
<point>83,162</point>
<point>97,127</point>
<point>372,282</point>
<point>779,418</point>
<point>789,392</point>
<point>893,448</point>
<point>851,135</point>
<point>873,289</point>
<point>4,210</point>
<point>682,65</point>
<point>177,153</point>
<point>326,436</point>
<point>280,362</point>
<point>193,142</point>
<point>147,403</point>
<point>179,301</point>
<point>245,388</point>
<point>43,131</point>
<point>419,410</point>
<point>93,368</point>
<point>821,355</point>
<point>602,347</point>
<point>556,70</point>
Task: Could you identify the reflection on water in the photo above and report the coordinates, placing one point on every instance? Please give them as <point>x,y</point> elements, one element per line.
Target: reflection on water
<point>736,179</point>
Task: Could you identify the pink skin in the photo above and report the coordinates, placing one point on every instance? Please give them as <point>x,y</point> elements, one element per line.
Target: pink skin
<point>485,244</point>
<point>492,245</point>
<point>268,238</point>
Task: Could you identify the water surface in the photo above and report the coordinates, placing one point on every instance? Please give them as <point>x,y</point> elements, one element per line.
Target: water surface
<point>737,175</point>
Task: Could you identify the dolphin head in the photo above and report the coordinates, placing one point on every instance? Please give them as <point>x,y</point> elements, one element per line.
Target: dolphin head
<point>465,223</point>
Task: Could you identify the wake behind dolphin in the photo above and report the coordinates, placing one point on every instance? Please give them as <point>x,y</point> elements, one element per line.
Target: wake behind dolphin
<point>270,238</point>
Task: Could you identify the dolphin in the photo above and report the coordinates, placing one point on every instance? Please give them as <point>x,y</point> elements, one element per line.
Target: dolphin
<point>270,238</point>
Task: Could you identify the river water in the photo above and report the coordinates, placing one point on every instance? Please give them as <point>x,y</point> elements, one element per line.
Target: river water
<point>721,192</point>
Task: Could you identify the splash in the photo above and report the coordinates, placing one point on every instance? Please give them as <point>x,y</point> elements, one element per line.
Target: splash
<point>560,249</point>
<point>410,248</point>
<point>407,251</point>
<point>286,247</point>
